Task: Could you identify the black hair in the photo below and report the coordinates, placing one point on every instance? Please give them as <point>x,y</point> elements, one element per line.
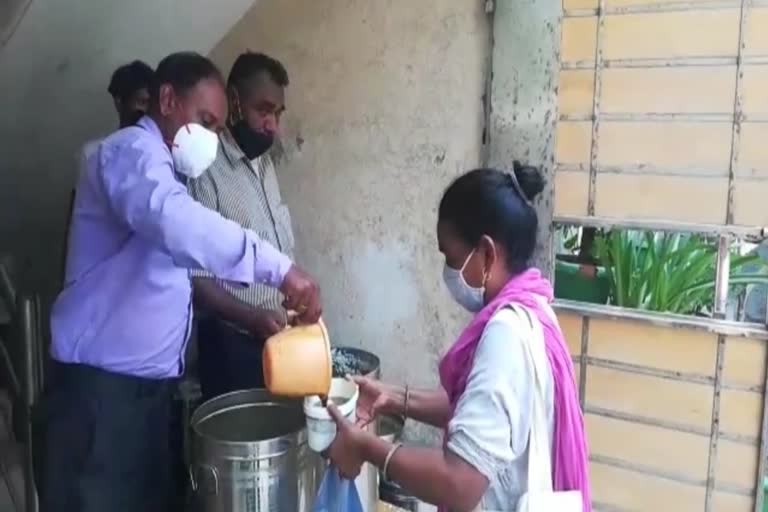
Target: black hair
<point>249,65</point>
<point>183,71</point>
<point>129,79</point>
<point>489,202</point>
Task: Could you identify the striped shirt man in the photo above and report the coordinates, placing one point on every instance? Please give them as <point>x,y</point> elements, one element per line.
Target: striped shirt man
<point>248,193</point>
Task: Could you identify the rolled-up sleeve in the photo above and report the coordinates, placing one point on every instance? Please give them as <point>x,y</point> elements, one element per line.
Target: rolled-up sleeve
<point>139,185</point>
<point>491,424</point>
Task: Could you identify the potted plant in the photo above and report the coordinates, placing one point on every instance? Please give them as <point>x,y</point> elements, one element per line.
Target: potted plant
<point>669,272</point>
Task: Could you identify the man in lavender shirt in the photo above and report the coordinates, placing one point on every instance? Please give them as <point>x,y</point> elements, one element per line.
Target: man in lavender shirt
<point>121,324</point>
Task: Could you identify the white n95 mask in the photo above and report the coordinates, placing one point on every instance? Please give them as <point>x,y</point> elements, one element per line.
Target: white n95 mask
<point>470,298</point>
<point>194,150</point>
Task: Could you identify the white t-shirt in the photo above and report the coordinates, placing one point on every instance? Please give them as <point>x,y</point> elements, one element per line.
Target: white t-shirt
<point>492,422</point>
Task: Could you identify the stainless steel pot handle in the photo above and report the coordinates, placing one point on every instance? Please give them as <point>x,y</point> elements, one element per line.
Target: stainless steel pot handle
<point>195,484</point>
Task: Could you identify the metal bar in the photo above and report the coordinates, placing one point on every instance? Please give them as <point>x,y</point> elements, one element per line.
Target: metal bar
<point>754,118</point>
<point>596,94</point>
<point>737,113</point>
<point>757,388</point>
<point>648,117</point>
<point>647,470</point>
<point>663,374</point>
<point>562,167</point>
<point>583,361</point>
<point>765,311</point>
<point>714,437</point>
<point>40,347</point>
<point>754,60</point>
<point>735,489</point>
<point>718,5</point>
<point>26,331</point>
<point>668,475</point>
<point>740,438</point>
<point>644,420</point>
<point>488,93</point>
<point>26,328</point>
<point>654,8</point>
<point>761,465</point>
<point>745,176</point>
<point>650,170</point>
<point>748,233</point>
<point>722,276</point>
<point>649,372</point>
<point>715,326</point>
<point>741,313</point>
<point>673,62</point>
<point>668,425</point>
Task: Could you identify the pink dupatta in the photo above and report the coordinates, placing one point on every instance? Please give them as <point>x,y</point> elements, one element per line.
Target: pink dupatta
<point>569,448</point>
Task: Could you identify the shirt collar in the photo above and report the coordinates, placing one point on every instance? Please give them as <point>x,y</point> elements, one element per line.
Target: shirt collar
<point>235,155</point>
<point>151,126</point>
<point>231,150</point>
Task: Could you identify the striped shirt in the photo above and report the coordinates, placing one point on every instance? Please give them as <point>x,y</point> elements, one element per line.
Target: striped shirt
<point>246,192</point>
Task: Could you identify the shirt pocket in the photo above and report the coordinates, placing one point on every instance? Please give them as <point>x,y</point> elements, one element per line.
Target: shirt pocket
<point>284,229</point>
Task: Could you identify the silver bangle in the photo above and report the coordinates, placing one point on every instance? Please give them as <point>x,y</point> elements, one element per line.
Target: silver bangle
<point>388,459</point>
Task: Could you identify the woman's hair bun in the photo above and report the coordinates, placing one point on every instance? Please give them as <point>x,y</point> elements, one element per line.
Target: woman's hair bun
<point>529,178</point>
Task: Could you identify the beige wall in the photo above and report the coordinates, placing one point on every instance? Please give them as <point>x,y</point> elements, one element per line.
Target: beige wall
<point>385,108</point>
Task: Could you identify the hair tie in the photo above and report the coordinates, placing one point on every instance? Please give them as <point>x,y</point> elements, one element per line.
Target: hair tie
<point>515,184</point>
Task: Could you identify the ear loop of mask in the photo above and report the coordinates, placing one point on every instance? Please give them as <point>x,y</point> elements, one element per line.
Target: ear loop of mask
<point>486,274</point>
<point>235,115</point>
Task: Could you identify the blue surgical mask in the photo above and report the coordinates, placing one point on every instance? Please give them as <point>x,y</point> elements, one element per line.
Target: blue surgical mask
<point>470,298</point>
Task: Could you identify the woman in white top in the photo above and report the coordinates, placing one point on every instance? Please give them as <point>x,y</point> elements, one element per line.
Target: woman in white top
<point>487,233</point>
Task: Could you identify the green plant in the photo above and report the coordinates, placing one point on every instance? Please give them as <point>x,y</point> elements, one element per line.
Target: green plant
<point>578,243</point>
<point>669,272</point>
<point>570,236</point>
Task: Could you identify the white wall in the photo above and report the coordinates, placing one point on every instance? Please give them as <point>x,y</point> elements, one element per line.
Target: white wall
<point>384,110</point>
<point>54,73</point>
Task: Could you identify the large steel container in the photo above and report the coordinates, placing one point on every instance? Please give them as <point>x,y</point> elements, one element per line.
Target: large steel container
<point>249,454</point>
<point>249,451</point>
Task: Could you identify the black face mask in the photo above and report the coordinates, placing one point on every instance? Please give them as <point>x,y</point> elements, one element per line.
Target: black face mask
<point>253,143</point>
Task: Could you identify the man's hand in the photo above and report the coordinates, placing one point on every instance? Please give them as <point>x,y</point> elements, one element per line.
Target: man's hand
<point>263,323</point>
<point>301,295</point>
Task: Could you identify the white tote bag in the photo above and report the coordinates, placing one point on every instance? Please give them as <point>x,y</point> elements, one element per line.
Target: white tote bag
<point>540,496</point>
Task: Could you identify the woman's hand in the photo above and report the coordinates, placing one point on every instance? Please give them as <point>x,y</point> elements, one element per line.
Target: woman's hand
<point>347,449</point>
<point>376,398</point>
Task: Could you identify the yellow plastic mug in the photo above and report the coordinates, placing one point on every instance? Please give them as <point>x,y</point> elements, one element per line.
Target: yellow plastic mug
<point>297,361</point>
